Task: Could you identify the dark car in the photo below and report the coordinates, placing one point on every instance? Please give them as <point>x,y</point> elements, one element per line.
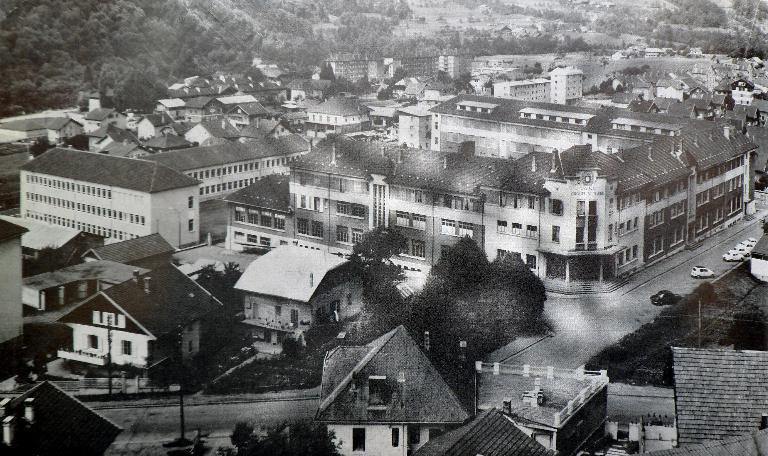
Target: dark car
<point>665,298</point>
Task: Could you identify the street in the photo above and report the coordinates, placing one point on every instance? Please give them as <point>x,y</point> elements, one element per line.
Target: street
<point>585,325</point>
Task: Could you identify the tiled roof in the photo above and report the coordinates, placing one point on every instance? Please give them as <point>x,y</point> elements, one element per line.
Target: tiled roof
<point>641,106</point>
<point>289,272</point>
<point>339,106</point>
<point>353,159</point>
<point>117,134</point>
<point>132,174</point>
<point>10,230</point>
<point>38,123</point>
<point>745,445</point>
<point>220,128</point>
<point>491,433</point>
<point>269,192</point>
<point>253,108</point>
<point>719,393</point>
<point>132,250</point>
<point>40,235</point>
<point>167,142</point>
<point>423,396</point>
<point>237,99</point>
<point>174,299</point>
<point>62,424</point>
<point>103,270</point>
<point>118,149</point>
<point>158,119</point>
<point>198,102</point>
<point>99,114</point>
<point>707,145</point>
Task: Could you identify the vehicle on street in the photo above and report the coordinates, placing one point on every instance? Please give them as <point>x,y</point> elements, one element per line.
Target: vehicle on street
<point>743,249</point>
<point>734,256</point>
<point>700,272</point>
<point>749,243</point>
<point>665,298</point>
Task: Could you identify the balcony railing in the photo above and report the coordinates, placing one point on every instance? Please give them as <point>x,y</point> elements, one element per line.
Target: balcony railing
<point>83,356</point>
<point>275,324</point>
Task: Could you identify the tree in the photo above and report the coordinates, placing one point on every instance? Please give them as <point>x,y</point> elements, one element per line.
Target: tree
<point>40,146</point>
<point>326,72</point>
<point>79,142</point>
<point>298,439</point>
<point>464,266</point>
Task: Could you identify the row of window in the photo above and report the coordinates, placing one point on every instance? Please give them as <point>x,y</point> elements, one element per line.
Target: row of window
<point>254,239</point>
<point>314,229</point>
<point>241,168</point>
<point>86,227</point>
<point>345,235</point>
<point>87,208</point>
<point>530,260</point>
<point>628,226</point>
<point>336,183</point>
<point>411,220</point>
<point>531,231</point>
<point>626,255</point>
<point>263,218</point>
<point>718,170</point>
<point>454,228</point>
<point>126,346</point>
<point>233,185</point>
<point>90,190</point>
<point>520,201</point>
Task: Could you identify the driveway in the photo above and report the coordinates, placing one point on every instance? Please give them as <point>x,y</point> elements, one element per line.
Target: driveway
<point>582,326</point>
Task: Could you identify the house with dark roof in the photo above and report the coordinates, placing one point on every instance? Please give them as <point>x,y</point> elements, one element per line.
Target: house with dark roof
<point>46,420</point>
<point>10,290</point>
<point>113,197</point>
<point>152,125</point>
<point>214,130</point>
<point>719,393</point>
<point>339,115</point>
<point>260,214</point>
<point>164,143</point>
<point>173,106</point>
<point>67,242</point>
<point>561,409</point>
<point>753,444</point>
<point>146,251</point>
<point>142,322</point>
<point>97,118</point>
<point>242,114</point>
<point>386,396</point>
<point>108,134</point>
<point>491,432</point>
<point>195,108</point>
<point>54,129</point>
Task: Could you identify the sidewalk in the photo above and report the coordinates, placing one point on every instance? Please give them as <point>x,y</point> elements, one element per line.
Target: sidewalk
<point>209,399</point>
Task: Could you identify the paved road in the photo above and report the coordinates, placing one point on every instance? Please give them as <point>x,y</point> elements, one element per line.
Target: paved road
<point>583,326</point>
<point>143,425</point>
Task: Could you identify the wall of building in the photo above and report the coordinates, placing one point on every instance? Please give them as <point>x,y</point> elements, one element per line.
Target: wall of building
<point>276,312</point>
<point>139,343</point>
<point>170,215</point>
<point>378,438</point>
<point>10,290</point>
<point>583,424</point>
<point>414,131</point>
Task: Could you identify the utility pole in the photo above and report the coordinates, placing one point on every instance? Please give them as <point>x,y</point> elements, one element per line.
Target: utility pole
<point>181,441</point>
<point>109,355</point>
<point>699,337</point>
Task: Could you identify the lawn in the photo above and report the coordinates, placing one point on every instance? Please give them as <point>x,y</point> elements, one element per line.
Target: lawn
<point>644,356</point>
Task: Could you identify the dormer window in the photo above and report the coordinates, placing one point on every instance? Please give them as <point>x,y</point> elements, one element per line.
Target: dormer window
<point>379,392</point>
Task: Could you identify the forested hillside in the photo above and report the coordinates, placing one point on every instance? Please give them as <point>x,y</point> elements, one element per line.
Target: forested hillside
<point>51,49</point>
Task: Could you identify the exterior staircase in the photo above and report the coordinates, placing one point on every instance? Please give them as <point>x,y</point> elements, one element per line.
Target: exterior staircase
<point>583,287</point>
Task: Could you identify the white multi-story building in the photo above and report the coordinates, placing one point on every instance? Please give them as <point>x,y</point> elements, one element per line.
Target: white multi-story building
<point>338,115</point>
<point>10,289</point>
<point>527,89</point>
<point>414,127</point>
<point>567,85</point>
<point>114,197</point>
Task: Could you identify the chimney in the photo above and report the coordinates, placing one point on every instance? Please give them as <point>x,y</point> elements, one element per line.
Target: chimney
<point>29,409</point>
<point>223,124</point>
<point>463,350</point>
<point>426,341</point>
<point>555,159</point>
<point>764,421</point>
<point>399,155</point>
<point>135,276</point>
<point>506,406</point>
<point>62,294</point>
<point>727,132</point>
<point>311,279</point>
<point>333,154</point>
<point>8,425</point>
<point>650,152</point>
<point>147,287</point>
<point>445,161</point>
<point>533,164</point>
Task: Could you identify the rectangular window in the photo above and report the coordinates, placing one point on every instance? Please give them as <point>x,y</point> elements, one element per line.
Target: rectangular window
<point>191,202</point>
<point>265,241</point>
<point>418,249</point>
<point>395,437</point>
<point>343,208</point>
<point>317,229</point>
<point>342,233</point>
<point>126,346</point>
<point>419,221</point>
<point>191,225</point>
<point>358,210</point>
<point>466,229</point>
<point>448,227</point>
<point>93,341</point>
<point>240,214</point>
<point>501,226</point>
<point>556,207</point>
<point>555,233</point>
<point>402,218</point>
<point>279,222</point>
<point>531,231</point>
<point>357,235</point>
<point>530,260</point>
<point>358,439</point>
<point>302,226</point>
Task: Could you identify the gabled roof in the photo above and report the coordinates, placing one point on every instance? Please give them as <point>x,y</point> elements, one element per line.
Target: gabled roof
<point>132,250</point>
<point>62,425</point>
<point>219,128</point>
<point>719,393</point>
<point>99,114</point>
<point>270,192</point>
<point>423,396</point>
<point>490,433</point>
<point>172,103</point>
<point>158,120</point>
<point>339,106</point>
<point>167,142</point>
<point>253,108</point>
<point>128,173</point>
<point>39,235</point>
<point>174,299</point>
<point>38,123</point>
<point>237,99</point>
<point>105,271</point>
<point>198,102</point>
<point>10,230</point>
<point>117,134</point>
<point>745,445</point>
<point>289,272</point>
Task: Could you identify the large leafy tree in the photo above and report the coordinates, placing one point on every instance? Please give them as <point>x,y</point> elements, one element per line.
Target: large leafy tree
<point>298,439</point>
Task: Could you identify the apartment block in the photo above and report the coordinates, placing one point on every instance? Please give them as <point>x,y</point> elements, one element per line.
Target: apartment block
<point>526,90</point>
<point>117,198</point>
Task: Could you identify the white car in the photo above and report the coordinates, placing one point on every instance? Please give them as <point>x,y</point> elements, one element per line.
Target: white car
<point>740,248</point>
<point>734,256</point>
<point>700,272</point>
<point>750,243</point>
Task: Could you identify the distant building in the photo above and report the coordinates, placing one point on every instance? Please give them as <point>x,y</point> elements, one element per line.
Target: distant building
<point>143,322</point>
<point>113,197</point>
<point>290,288</point>
<point>10,290</point>
<point>454,64</point>
<point>107,134</point>
<point>758,262</point>
<point>742,92</point>
<point>147,252</point>
<point>354,67</point>
<point>173,106</point>
<point>258,214</point>
<point>212,131</point>
<point>99,117</point>
<point>561,409</point>
<point>67,242</point>
<point>53,129</point>
<point>567,85</point>
<point>386,397</point>
<point>338,115</point>
<point>153,125</point>
<point>526,89</point>
<point>414,128</point>
<point>652,53</point>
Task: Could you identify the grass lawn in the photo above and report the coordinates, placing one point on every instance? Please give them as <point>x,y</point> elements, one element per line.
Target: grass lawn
<point>644,356</point>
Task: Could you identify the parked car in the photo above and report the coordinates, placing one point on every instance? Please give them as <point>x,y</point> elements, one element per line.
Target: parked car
<point>734,256</point>
<point>700,272</point>
<point>740,248</point>
<point>749,243</point>
<point>665,298</point>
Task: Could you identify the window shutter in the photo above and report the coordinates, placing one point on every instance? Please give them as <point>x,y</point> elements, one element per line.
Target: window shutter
<point>121,321</point>
<point>96,317</point>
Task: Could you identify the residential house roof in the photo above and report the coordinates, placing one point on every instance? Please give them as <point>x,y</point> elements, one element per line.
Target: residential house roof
<point>642,106</point>
<point>133,174</point>
<point>159,119</point>
<point>118,149</point>
<point>39,235</point>
<point>114,132</point>
<point>253,108</point>
<point>99,114</point>
<point>37,123</point>
<point>132,250</point>
<point>10,230</point>
<point>755,444</point>
<point>173,300</point>
<point>718,393</point>
<point>419,393</point>
<point>166,142</point>
<point>172,103</point>
<point>269,192</point>
<point>490,433</point>
<point>339,106</point>
<point>103,270</point>
<point>289,272</point>
<point>62,424</point>
<point>237,99</point>
<point>180,128</point>
<point>219,128</point>
<point>198,102</point>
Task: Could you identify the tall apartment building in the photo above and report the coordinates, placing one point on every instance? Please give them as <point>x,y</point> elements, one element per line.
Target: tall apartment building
<point>512,128</point>
<point>567,85</point>
<point>114,197</point>
<point>454,64</point>
<point>226,167</point>
<point>580,216</point>
<point>527,90</point>
<point>338,115</point>
<point>354,67</point>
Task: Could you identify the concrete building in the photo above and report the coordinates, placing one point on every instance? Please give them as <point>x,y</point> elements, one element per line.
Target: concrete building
<point>414,127</point>
<point>10,292</point>
<point>354,67</point>
<point>140,322</point>
<point>386,397</point>
<point>454,64</point>
<point>290,288</point>
<point>562,409</point>
<point>113,197</point>
<point>758,262</point>
<point>258,214</point>
<point>567,85</point>
<point>338,115</point>
<point>526,89</point>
